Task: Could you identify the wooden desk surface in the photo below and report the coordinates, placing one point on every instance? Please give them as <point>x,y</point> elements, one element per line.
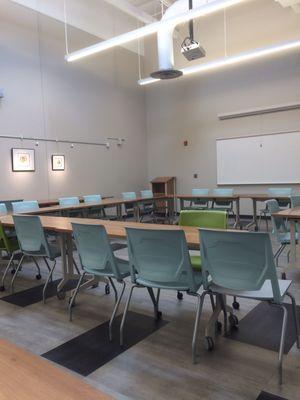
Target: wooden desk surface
<point>25,376</point>
<point>115,229</point>
<point>109,202</point>
<point>262,196</point>
<point>55,202</point>
<point>290,213</point>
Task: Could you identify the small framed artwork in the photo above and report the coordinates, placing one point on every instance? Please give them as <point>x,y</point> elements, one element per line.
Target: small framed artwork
<point>58,162</point>
<point>23,160</point>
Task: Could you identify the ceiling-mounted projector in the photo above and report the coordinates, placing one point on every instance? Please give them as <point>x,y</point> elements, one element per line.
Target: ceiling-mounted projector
<point>192,50</point>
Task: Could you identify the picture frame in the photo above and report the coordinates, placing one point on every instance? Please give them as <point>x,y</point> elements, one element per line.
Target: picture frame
<point>58,162</point>
<point>23,160</point>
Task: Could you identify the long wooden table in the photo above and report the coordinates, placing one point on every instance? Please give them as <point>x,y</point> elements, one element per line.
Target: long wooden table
<point>115,229</point>
<point>106,203</point>
<point>25,376</point>
<point>55,202</point>
<point>235,199</point>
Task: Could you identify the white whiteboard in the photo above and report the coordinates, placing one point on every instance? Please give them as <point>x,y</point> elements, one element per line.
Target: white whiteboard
<point>264,159</point>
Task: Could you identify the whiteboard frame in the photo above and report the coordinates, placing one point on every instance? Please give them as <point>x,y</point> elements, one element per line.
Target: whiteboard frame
<point>255,183</point>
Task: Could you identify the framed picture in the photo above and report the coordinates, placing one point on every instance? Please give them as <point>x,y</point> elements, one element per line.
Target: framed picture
<point>58,162</point>
<point>23,160</point>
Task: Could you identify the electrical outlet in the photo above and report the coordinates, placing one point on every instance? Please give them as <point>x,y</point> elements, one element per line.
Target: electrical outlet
<point>195,176</point>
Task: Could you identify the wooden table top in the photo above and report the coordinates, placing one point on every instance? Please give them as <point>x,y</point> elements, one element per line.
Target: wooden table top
<point>262,196</point>
<point>25,376</point>
<point>109,202</point>
<point>115,229</point>
<point>289,213</point>
<point>255,196</point>
<point>206,197</point>
<point>55,202</point>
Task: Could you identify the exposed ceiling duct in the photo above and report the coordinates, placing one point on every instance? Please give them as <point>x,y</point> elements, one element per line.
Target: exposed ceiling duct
<point>295,4</point>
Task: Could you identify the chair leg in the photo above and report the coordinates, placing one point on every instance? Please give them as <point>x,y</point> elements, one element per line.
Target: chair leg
<point>125,315</point>
<point>278,253</point>
<point>212,300</point>
<point>37,267</point>
<point>196,325</point>
<point>282,341</point>
<point>155,303</point>
<point>114,288</point>
<point>72,299</point>
<point>2,288</point>
<point>118,301</point>
<point>15,274</point>
<point>47,264</point>
<point>295,317</point>
<point>76,267</point>
<point>49,278</point>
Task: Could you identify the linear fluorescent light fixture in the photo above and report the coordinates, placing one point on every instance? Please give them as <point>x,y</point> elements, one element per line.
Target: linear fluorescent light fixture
<point>151,28</point>
<point>226,61</point>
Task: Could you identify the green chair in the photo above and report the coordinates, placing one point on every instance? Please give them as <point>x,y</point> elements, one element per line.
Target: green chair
<point>199,204</point>
<point>33,243</point>
<point>159,259</point>
<point>25,206</point>
<point>242,264</point>
<point>9,245</point>
<point>97,259</point>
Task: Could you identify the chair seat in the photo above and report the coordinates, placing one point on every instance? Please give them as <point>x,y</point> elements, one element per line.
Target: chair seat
<point>172,285</point>
<point>123,267</point>
<point>54,251</point>
<point>265,292</point>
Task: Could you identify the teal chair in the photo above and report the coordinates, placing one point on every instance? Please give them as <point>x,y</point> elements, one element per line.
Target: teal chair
<point>280,230</point>
<point>242,264</point>
<point>25,206</point>
<point>295,201</point>
<point>8,244</point>
<point>273,193</point>
<point>33,243</point>
<point>199,204</point>
<point>3,209</point>
<point>146,194</point>
<point>224,205</point>
<point>95,198</point>
<point>129,207</point>
<point>97,259</point>
<point>147,209</point>
<point>159,259</point>
<point>68,201</point>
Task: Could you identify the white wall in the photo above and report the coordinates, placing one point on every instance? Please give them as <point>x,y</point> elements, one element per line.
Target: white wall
<point>187,108</point>
<point>89,100</point>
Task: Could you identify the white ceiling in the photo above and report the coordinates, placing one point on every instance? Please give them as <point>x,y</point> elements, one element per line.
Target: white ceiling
<point>152,7</point>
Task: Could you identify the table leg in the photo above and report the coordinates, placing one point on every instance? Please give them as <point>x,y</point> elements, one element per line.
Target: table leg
<point>181,204</point>
<point>254,220</point>
<point>137,213</point>
<point>119,211</point>
<point>66,245</point>
<point>293,241</point>
<point>237,217</point>
<point>170,203</point>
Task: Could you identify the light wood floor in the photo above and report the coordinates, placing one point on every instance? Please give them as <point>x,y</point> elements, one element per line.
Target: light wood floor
<point>160,366</point>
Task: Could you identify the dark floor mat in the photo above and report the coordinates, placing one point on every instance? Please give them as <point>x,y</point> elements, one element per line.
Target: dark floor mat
<point>91,350</point>
<point>35,294</point>
<point>269,396</point>
<point>262,327</point>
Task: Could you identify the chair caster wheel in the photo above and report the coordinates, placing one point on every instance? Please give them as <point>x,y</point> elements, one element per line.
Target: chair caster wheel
<point>38,277</point>
<point>2,288</point>
<point>218,326</point>
<point>179,296</point>
<point>61,295</point>
<point>283,276</point>
<point>158,315</point>
<point>209,343</point>
<point>236,305</point>
<point>233,321</point>
<point>107,289</point>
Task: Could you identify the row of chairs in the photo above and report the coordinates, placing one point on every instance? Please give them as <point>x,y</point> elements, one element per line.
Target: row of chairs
<point>233,263</point>
<point>202,204</point>
<point>273,193</point>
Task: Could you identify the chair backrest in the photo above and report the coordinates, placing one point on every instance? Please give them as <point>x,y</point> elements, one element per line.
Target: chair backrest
<point>223,192</point>
<point>31,236</point>
<point>203,219</point>
<point>279,224</point>
<point>240,261</point>
<point>94,249</point>
<point>3,208</point>
<point>25,206</point>
<point>129,195</point>
<point>92,198</point>
<point>295,201</point>
<point>68,201</point>
<point>160,256</point>
<point>146,193</point>
<point>286,191</point>
<point>200,192</point>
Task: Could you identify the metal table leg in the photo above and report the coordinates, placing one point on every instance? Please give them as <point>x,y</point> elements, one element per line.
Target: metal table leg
<point>237,217</point>
<point>254,220</point>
